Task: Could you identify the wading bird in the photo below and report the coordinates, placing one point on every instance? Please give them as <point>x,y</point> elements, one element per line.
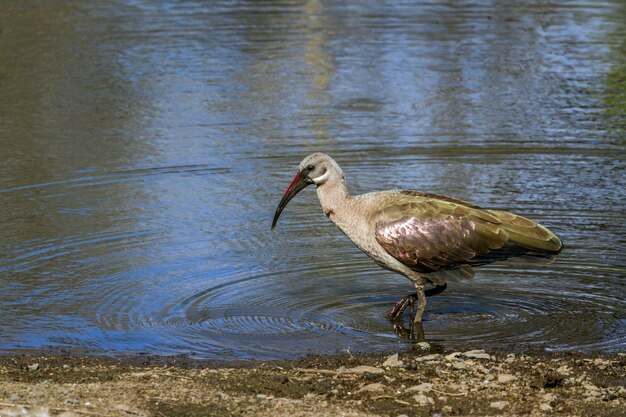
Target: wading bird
<point>426,237</point>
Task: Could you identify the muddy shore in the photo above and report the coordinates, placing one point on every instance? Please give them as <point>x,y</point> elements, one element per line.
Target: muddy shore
<point>420,382</point>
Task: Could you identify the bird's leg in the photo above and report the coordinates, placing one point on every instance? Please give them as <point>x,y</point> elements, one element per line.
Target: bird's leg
<point>401,305</point>
<point>410,299</point>
<point>421,304</point>
<point>417,331</point>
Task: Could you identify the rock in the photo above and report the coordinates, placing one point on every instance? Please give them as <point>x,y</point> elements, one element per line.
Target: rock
<point>376,386</point>
<point>33,367</point>
<point>14,398</point>
<point>500,405</point>
<point>423,345</point>
<point>548,397</point>
<point>473,351</point>
<point>424,387</point>
<point>363,369</point>
<point>459,365</point>
<point>545,407</point>
<point>453,356</point>
<point>393,361</point>
<point>128,409</point>
<point>433,357</point>
<point>476,354</point>
<point>421,399</point>
<point>564,370</point>
<point>261,397</point>
<point>506,378</point>
<point>591,390</point>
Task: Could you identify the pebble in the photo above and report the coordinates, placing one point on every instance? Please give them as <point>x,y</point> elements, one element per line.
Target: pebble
<point>563,370</point>
<point>506,378</point>
<point>459,365</point>
<point>549,397</point>
<point>393,361</point>
<point>421,399</point>
<point>591,390</point>
<point>423,345</point>
<point>364,368</point>
<point>500,405</point>
<point>424,387</point>
<point>412,366</point>
<point>545,407</point>
<point>453,356</point>
<point>33,367</point>
<point>376,386</point>
<point>433,357</point>
<point>477,354</point>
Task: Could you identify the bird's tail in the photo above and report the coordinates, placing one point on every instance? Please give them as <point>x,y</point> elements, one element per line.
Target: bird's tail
<point>532,239</point>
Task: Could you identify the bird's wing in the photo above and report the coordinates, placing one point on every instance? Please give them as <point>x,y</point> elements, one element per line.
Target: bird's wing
<point>429,234</point>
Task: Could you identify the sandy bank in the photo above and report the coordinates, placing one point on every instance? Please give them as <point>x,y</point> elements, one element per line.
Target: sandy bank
<point>417,383</point>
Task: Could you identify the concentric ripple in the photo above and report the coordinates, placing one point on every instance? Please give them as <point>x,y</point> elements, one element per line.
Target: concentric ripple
<point>143,159</point>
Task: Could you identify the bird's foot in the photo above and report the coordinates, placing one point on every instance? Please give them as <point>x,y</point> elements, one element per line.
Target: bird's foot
<point>398,309</point>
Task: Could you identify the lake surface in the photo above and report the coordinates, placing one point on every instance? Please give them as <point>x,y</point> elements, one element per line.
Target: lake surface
<point>145,146</point>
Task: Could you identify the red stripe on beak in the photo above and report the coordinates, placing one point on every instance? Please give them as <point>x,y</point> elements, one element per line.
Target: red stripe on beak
<point>295,180</point>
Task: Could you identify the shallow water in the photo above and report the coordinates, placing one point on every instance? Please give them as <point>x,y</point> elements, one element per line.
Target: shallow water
<point>145,148</point>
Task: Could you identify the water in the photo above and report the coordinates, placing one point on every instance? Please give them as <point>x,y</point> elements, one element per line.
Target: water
<point>145,148</point>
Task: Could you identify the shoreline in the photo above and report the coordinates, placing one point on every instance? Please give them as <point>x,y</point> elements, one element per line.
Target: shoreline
<point>422,381</point>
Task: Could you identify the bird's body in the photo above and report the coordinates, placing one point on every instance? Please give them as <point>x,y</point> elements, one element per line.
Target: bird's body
<point>425,237</point>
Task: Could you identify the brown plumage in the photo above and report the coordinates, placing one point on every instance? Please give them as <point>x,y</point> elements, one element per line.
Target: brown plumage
<point>430,233</point>
<point>426,237</point>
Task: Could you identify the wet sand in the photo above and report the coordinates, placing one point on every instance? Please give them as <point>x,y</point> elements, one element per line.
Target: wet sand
<point>419,382</point>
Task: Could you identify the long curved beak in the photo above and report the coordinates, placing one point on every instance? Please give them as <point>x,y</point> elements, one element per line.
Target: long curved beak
<point>299,183</point>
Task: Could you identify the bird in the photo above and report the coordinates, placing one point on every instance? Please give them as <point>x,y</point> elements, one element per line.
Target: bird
<point>429,238</point>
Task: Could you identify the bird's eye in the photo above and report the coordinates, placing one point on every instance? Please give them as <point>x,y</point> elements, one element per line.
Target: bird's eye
<point>311,167</point>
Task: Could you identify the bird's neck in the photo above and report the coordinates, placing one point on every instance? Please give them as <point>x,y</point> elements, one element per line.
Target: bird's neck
<point>333,196</point>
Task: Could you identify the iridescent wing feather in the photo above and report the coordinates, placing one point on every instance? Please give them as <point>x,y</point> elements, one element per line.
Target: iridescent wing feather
<point>431,233</point>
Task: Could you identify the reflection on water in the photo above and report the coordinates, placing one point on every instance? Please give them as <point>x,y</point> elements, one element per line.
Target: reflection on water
<point>146,145</point>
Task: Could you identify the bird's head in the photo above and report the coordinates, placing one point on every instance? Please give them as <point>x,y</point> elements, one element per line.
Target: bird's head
<point>318,169</point>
